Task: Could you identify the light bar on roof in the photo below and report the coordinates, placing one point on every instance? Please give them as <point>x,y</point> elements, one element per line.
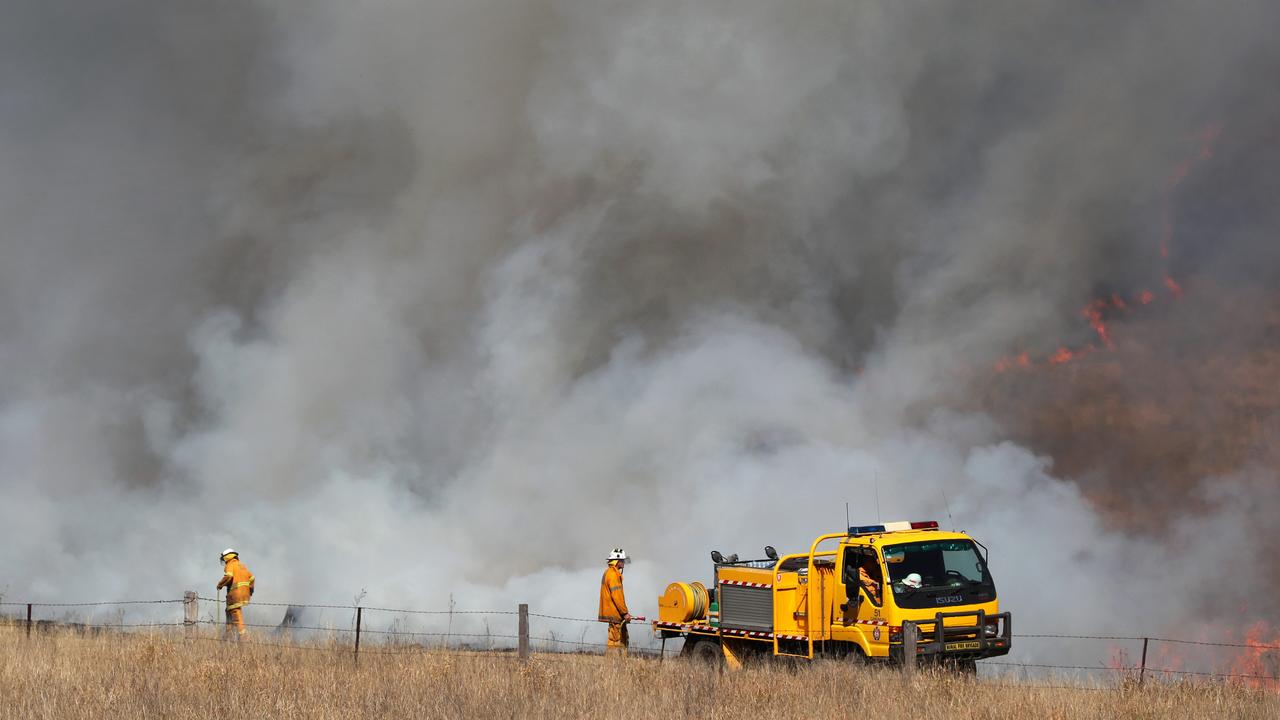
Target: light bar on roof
<point>896,526</point>
<point>865,529</point>
<point>925,525</point>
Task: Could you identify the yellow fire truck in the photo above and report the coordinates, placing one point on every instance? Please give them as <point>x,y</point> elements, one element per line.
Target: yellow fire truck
<point>879,592</point>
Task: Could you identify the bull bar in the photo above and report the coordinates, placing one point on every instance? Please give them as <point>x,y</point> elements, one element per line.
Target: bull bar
<point>958,642</point>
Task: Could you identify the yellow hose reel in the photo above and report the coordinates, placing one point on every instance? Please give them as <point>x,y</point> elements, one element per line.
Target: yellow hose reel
<point>683,602</point>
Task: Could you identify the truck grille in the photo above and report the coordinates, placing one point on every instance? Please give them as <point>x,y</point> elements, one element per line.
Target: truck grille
<point>746,608</point>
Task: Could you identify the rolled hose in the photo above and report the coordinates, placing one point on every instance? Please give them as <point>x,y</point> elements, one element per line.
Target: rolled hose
<point>684,602</point>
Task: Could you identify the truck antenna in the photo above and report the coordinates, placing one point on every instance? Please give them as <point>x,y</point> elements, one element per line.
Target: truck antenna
<point>947,505</point>
<point>846,514</point>
<point>877,496</point>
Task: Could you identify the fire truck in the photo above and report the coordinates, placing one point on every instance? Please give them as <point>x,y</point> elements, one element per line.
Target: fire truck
<point>874,593</point>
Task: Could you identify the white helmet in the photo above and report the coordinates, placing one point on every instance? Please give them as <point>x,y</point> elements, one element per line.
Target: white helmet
<point>229,551</point>
<point>618,554</point>
<point>913,580</point>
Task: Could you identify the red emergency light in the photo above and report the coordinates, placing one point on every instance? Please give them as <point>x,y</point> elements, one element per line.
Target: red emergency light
<point>925,525</point>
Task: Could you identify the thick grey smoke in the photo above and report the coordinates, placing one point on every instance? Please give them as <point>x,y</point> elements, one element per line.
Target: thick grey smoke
<point>449,298</point>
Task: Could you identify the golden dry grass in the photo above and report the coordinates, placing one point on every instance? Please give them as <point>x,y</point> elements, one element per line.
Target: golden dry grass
<point>61,675</point>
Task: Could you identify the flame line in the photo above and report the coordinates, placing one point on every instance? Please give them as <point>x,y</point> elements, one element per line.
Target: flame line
<point>1095,312</point>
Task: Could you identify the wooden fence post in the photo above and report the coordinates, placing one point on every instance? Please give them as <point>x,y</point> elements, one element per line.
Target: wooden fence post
<point>190,611</point>
<point>1142,669</point>
<point>28,621</point>
<point>908,648</point>
<point>359,618</point>
<point>524,631</point>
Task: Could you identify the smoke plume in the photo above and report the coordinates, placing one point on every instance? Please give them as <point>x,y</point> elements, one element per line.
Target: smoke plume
<point>447,299</point>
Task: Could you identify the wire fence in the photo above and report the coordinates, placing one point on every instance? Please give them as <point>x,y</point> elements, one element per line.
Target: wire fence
<point>370,629</point>
<point>1254,663</point>
<point>519,633</point>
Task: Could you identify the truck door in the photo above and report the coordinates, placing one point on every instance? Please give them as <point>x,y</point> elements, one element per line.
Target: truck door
<point>864,585</point>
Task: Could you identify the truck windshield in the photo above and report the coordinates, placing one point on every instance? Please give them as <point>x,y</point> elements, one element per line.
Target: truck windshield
<point>947,572</point>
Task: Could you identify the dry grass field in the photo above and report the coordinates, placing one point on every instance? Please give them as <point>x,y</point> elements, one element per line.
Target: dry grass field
<point>62,675</point>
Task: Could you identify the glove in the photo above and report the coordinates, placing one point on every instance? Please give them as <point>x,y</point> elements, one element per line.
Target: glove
<point>250,591</point>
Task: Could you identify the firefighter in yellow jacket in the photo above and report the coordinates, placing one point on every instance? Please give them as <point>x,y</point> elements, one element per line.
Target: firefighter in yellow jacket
<point>613,604</point>
<point>238,581</point>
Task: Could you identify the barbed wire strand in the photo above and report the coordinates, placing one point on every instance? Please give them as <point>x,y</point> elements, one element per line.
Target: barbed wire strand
<point>561,617</point>
<point>107,626</point>
<point>90,604</point>
<point>1092,668</point>
<point>403,611</point>
<point>1019,636</point>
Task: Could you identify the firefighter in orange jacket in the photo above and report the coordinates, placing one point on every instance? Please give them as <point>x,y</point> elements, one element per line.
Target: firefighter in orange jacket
<point>613,603</point>
<point>238,581</point>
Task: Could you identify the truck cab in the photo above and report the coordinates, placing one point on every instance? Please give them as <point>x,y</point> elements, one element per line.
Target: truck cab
<point>936,584</point>
<point>885,592</point>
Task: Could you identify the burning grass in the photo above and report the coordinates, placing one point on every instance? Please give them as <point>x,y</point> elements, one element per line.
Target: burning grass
<point>64,675</point>
<point>1186,395</point>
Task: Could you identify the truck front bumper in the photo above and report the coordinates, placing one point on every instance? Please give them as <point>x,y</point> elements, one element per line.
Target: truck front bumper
<point>989,636</point>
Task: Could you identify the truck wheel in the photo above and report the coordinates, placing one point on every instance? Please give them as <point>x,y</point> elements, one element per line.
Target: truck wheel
<point>704,652</point>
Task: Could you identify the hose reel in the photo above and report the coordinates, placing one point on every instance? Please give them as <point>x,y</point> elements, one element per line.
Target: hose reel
<point>683,602</point>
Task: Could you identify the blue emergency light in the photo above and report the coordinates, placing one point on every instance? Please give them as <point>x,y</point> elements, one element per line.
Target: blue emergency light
<point>865,529</point>
<point>892,527</point>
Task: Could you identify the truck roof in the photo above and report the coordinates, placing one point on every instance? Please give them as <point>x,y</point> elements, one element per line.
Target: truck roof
<point>894,537</point>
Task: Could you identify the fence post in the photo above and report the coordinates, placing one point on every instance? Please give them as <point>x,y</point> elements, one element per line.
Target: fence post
<point>908,648</point>
<point>524,631</point>
<point>1142,669</point>
<point>28,621</point>
<point>191,611</point>
<point>359,617</point>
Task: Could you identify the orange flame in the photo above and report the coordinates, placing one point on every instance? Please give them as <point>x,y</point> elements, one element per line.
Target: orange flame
<point>1259,663</point>
<point>1093,313</point>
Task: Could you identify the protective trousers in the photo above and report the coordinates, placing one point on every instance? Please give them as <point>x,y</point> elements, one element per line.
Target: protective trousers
<point>237,598</point>
<point>618,639</point>
<point>235,618</point>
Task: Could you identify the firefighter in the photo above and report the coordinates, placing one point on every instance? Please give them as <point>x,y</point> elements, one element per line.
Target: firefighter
<point>613,604</point>
<point>869,584</point>
<point>238,581</point>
